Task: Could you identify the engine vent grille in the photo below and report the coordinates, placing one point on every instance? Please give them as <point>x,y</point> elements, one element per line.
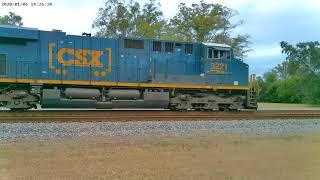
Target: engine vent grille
<point>3,64</point>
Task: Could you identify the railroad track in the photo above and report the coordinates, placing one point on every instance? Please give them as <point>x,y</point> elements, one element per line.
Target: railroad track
<point>97,116</point>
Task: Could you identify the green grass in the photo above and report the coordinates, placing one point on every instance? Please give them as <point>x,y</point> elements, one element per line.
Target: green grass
<point>287,105</point>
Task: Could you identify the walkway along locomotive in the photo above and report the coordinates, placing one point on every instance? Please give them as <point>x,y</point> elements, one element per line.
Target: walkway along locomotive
<point>54,70</point>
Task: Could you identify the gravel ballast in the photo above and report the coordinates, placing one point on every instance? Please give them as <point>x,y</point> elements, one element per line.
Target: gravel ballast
<point>43,131</point>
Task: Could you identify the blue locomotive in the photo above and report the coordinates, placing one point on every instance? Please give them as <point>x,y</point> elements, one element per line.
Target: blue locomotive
<point>56,70</point>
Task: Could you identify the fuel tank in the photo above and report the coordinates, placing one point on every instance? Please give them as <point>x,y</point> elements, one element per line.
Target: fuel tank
<point>127,94</point>
<point>52,98</point>
<point>82,93</point>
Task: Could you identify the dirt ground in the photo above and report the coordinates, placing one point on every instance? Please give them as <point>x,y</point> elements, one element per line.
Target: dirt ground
<point>226,157</point>
<point>284,106</point>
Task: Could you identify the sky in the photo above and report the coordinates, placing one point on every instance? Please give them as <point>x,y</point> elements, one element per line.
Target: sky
<point>267,22</point>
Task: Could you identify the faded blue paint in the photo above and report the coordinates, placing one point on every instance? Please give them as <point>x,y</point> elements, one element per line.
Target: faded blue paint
<point>28,58</point>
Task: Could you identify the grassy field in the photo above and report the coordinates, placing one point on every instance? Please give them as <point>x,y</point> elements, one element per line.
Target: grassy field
<point>206,157</point>
<point>284,106</point>
<point>289,105</point>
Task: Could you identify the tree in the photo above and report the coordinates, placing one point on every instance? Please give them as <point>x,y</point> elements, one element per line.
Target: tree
<point>116,19</point>
<point>268,87</point>
<point>121,19</point>
<point>310,88</point>
<point>270,77</point>
<point>297,79</point>
<point>305,54</point>
<point>11,19</point>
<point>150,22</point>
<point>202,22</point>
<point>289,90</point>
<point>287,69</point>
<point>205,22</point>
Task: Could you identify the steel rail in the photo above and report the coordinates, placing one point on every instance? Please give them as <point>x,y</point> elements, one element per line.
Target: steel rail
<point>97,116</point>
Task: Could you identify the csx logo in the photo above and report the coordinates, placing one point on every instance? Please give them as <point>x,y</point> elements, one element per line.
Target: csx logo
<point>80,58</point>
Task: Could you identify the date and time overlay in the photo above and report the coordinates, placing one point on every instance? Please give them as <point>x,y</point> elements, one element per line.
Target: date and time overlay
<point>25,4</point>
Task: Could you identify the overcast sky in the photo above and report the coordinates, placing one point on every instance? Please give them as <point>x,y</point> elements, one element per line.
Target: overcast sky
<point>267,22</point>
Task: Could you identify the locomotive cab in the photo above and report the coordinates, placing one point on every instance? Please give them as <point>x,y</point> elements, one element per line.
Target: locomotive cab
<point>215,58</point>
<point>219,66</point>
<point>217,51</point>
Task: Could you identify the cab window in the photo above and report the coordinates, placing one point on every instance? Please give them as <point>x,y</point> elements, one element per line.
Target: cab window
<point>224,54</point>
<point>210,51</point>
<point>215,54</point>
<point>218,54</point>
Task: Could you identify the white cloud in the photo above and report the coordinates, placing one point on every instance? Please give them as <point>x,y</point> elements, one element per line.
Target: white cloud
<point>276,6</point>
<point>59,16</point>
<point>269,22</point>
<point>77,16</point>
<point>265,51</point>
<point>170,7</point>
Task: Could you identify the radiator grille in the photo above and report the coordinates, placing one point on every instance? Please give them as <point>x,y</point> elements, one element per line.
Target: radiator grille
<point>3,64</point>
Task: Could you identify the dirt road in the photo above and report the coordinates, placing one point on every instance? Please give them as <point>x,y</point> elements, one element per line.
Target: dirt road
<point>227,157</point>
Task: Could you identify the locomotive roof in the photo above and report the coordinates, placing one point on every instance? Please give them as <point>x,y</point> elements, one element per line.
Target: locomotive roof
<point>210,44</point>
<point>17,27</point>
<point>216,45</point>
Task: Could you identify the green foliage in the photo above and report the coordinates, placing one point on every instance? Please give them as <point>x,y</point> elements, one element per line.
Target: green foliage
<point>297,79</point>
<point>197,22</point>
<point>205,22</point>
<point>268,86</point>
<point>276,90</point>
<point>11,19</point>
<point>286,69</point>
<point>305,54</point>
<point>121,19</point>
<point>202,22</point>
<point>289,90</point>
<point>311,88</point>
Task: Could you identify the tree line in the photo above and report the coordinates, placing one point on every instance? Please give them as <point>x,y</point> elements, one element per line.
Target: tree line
<point>11,19</point>
<point>295,80</point>
<point>200,22</point>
